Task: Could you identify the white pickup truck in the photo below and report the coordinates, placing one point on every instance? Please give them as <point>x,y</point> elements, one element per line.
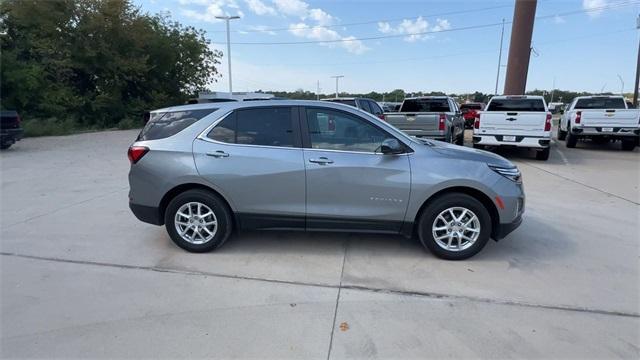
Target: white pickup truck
<point>515,121</point>
<point>601,119</point>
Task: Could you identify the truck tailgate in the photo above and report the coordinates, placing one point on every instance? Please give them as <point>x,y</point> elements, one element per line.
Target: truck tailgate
<point>610,118</point>
<point>512,121</point>
<point>413,121</point>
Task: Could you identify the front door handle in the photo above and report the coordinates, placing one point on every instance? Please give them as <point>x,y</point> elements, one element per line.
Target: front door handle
<point>321,160</point>
<point>218,154</point>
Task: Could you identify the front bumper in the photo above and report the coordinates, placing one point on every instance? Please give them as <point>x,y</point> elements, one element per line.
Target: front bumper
<point>148,214</point>
<point>521,141</point>
<point>505,229</point>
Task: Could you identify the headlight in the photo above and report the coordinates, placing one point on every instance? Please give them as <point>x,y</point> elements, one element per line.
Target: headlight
<point>511,173</point>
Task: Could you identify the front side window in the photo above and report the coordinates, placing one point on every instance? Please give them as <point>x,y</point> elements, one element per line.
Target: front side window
<point>260,126</point>
<point>163,125</point>
<point>334,130</point>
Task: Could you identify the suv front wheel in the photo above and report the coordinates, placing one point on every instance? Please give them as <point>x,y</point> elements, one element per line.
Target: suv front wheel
<point>198,221</point>
<point>454,226</point>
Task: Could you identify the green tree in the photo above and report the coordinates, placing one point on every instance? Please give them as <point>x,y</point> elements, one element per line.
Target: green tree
<point>97,62</point>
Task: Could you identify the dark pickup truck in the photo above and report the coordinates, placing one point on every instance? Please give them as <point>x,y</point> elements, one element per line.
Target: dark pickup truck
<point>10,130</point>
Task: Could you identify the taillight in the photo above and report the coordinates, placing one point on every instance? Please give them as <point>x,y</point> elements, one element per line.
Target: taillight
<point>443,117</point>
<point>17,120</point>
<point>136,153</point>
<point>547,123</point>
<point>476,124</point>
<point>578,117</point>
<point>381,116</point>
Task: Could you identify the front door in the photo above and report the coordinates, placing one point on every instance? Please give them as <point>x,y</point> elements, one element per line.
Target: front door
<point>350,184</point>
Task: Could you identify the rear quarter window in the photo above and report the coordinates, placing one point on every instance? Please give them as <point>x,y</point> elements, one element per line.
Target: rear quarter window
<point>425,105</point>
<point>516,105</point>
<point>163,125</point>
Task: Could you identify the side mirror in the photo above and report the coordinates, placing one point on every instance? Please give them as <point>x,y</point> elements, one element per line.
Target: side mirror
<point>391,146</point>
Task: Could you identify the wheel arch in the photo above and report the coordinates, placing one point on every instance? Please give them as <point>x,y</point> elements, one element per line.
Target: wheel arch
<point>179,189</point>
<point>484,199</point>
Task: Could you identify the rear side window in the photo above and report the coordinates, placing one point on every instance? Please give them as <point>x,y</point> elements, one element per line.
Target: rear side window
<point>516,105</point>
<point>600,103</point>
<point>375,108</point>
<point>425,105</point>
<point>163,125</point>
<point>261,126</point>
<point>364,105</point>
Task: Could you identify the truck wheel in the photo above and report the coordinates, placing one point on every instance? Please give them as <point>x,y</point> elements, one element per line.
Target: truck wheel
<point>629,145</point>
<point>454,226</point>
<point>572,140</point>
<point>561,134</point>
<point>543,154</point>
<point>460,139</point>
<point>478,146</point>
<point>198,221</point>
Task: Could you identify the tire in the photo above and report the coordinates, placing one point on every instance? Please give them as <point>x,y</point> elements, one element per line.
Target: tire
<point>478,146</point>
<point>221,214</point>
<point>430,219</point>
<point>629,145</point>
<point>5,146</point>
<point>571,140</point>
<point>561,134</point>
<point>543,154</point>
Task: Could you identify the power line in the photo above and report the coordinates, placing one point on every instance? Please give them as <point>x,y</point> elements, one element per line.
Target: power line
<point>267,29</point>
<point>464,28</point>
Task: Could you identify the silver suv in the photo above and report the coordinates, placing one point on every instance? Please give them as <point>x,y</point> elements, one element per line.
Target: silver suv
<point>204,170</point>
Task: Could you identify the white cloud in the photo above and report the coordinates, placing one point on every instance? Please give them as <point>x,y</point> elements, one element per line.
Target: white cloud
<point>292,7</point>
<point>350,43</point>
<point>559,19</point>
<point>262,29</point>
<point>260,8</point>
<point>415,30</point>
<point>593,7</point>
<point>214,8</point>
<point>320,17</point>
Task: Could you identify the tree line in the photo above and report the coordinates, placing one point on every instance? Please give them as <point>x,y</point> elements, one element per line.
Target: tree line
<point>71,64</point>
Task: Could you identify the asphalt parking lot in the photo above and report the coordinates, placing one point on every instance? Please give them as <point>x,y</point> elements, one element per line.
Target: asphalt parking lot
<point>81,277</point>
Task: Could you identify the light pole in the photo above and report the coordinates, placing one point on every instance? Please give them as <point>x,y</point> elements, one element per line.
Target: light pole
<point>621,85</point>
<point>337,77</point>
<point>227,19</point>
<point>635,89</point>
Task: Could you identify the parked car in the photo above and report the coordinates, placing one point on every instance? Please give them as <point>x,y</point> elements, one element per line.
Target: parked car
<point>435,117</point>
<point>204,170</point>
<point>520,121</point>
<point>368,105</point>
<point>555,107</point>
<point>390,106</point>
<point>10,129</point>
<point>601,119</point>
<point>470,111</point>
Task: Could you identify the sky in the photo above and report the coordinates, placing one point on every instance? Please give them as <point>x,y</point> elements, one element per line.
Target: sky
<point>450,46</point>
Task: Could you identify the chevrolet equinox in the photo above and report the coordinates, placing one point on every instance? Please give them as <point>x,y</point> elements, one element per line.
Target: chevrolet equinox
<point>204,170</point>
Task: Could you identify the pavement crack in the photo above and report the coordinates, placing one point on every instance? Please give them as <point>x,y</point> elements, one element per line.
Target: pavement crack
<point>339,287</point>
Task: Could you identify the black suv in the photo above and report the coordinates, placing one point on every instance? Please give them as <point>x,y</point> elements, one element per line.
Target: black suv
<point>10,130</point>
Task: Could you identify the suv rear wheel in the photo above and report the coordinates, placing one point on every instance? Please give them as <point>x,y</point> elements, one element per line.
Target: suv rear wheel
<point>198,221</point>
<point>454,226</point>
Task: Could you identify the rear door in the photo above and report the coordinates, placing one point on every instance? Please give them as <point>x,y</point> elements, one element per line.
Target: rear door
<point>351,186</point>
<point>254,157</point>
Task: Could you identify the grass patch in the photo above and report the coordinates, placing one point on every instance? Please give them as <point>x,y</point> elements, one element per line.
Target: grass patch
<point>56,127</point>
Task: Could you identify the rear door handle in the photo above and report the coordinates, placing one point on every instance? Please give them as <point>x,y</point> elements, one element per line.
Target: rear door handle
<point>321,160</point>
<point>218,154</point>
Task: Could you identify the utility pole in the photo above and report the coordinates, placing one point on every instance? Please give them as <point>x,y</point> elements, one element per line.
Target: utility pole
<point>621,85</point>
<point>635,89</point>
<point>337,77</point>
<point>524,15</point>
<point>318,90</point>
<point>553,89</point>
<point>227,19</point>
<point>499,58</point>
